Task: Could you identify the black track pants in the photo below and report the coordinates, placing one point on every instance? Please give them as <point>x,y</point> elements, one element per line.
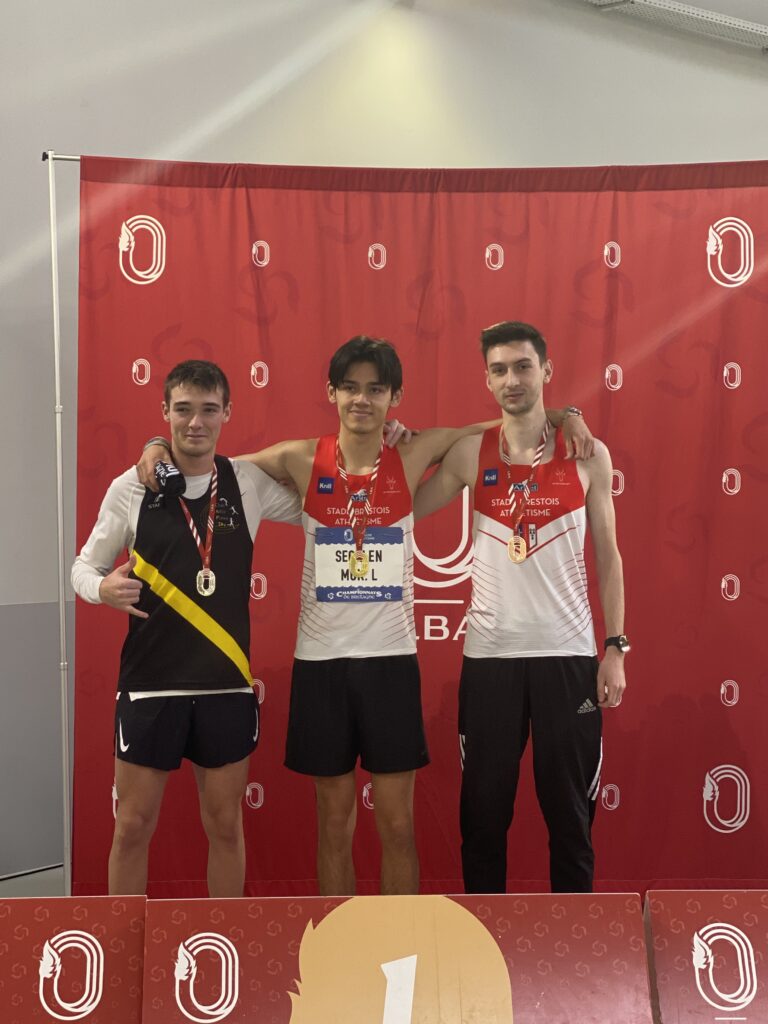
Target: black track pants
<point>501,700</point>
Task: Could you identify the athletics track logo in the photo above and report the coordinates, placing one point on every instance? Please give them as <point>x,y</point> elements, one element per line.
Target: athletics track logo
<point>52,967</point>
<point>127,243</point>
<point>716,245</point>
<point>712,783</point>
<point>704,966</point>
<point>185,972</point>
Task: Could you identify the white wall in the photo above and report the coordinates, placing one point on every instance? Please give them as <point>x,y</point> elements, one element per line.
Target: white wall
<point>363,82</point>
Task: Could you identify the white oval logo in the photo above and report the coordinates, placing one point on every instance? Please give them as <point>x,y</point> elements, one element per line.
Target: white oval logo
<point>377,256</point>
<point>617,483</point>
<point>260,253</point>
<point>712,781</point>
<point>612,254</point>
<point>52,967</point>
<point>259,374</point>
<point>729,692</point>
<point>494,256</point>
<point>732,376</point>
<point>611,797</point>
<point>730,587</point>
<point>703,959</point>
<point>258,586</point>
<point>367,796</point>
<point>614,377</point>
<point>716,243</point>
<point>731,481</point>
<point>185,970</point>
<point>141,372</point>
<point>127,243</point>
<point>254,795</point>
<point>260,689</point>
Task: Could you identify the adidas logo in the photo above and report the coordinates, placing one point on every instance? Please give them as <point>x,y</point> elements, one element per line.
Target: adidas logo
<point>586,707</point>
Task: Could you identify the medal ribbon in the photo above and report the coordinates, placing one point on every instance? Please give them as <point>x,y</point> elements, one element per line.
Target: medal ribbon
<point>356,521</point>
<point>205,550</point>
<point>517,508</point>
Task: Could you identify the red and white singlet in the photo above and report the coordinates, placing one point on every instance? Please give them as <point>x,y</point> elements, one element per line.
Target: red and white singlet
<point>343,616</point>
<point>537,608</point>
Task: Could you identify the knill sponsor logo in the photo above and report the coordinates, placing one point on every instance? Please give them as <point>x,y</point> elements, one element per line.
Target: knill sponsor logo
<point>52,968</point>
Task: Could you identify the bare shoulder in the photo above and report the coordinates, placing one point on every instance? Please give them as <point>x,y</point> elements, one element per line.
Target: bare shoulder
<point>597,470</point>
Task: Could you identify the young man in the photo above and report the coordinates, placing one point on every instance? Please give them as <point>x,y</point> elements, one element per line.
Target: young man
<point>529,654</point>
<point>185,687</point>
<point>356,689</point>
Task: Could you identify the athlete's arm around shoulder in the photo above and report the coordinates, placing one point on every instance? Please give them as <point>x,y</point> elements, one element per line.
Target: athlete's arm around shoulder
<point>265,498</point>
<point>597,475</point>
<point>286,460</point>
<point>432,445</point>
<point>457,471</point>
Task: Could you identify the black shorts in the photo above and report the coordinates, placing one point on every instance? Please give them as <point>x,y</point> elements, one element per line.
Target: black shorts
<point>211,730</point>
<point>347,708</point>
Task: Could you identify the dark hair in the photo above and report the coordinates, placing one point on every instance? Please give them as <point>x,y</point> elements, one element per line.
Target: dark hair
<point>513,330</point>
<point>362,349</point>
<point>197,373</point>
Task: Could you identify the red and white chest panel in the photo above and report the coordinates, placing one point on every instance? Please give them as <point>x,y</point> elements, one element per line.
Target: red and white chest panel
<point>539,607</point>
<point>343,616</point>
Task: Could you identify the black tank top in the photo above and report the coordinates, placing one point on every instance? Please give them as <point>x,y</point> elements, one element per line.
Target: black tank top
<point>167,651</point>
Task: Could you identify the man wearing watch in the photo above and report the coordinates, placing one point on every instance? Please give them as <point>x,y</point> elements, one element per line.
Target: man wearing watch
<point>530,662</point>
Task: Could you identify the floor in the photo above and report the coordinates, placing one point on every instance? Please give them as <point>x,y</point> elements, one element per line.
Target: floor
<point>38,883</point>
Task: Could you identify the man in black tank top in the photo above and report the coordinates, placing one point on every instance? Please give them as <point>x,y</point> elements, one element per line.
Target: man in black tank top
<point>185,687</point>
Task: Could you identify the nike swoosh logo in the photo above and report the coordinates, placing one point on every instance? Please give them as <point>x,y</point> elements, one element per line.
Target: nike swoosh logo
<point>123,745</point>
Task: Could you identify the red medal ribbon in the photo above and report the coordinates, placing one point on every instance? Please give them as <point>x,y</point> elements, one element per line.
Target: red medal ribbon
<point>517,508</point>
<point>356,521</point>
<point>205,551</point>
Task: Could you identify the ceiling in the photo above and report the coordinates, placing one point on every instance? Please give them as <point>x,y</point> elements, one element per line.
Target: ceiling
<point>749,10</point>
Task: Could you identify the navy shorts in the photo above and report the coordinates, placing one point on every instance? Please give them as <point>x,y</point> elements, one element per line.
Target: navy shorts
<point>210,730</point>
<point>346,708</point>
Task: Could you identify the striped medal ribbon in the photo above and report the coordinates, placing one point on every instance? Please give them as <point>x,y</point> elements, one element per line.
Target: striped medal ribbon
<point>517,549</point>
<point>358,560</point>
<point>206,578</point>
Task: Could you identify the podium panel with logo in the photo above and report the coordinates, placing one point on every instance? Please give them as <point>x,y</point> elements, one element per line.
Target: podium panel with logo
<point>710,951</point>
<point>397,960</point>
<point>71,960</point>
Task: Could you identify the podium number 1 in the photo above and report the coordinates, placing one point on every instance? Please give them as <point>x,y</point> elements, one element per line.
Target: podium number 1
<point>401,979</point>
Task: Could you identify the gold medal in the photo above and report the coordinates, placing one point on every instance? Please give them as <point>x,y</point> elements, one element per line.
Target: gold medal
<point>358,565</point>
<point>517,549</point>
<point>206,582</point>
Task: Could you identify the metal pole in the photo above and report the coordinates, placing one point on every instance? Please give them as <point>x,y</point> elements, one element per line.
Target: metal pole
<point>58,411</point>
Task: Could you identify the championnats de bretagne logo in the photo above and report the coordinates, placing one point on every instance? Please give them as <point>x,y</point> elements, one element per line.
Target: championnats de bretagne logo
<point>185,972</point>
<point>704,964</point>
<point>712,781</point>
<point>716,242</point>
<point>52,965</point>
<point>127,243</point>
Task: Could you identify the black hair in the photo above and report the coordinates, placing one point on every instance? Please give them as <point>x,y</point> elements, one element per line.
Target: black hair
<point>197,373</point>
<point>362,349</point>
<point>513,330</point>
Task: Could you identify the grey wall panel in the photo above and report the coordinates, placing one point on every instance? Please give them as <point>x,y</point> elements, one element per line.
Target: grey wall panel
<point>30,737</point>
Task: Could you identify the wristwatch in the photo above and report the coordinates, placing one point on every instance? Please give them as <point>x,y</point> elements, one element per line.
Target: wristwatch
<point>571,410</point>
<point>617,641</point>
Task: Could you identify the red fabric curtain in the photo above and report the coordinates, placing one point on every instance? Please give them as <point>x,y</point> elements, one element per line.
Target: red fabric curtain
<point>651,286</point>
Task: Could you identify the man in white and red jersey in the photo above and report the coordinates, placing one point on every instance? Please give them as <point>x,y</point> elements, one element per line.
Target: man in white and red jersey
<point>529,656</point>
<point>355,690</point>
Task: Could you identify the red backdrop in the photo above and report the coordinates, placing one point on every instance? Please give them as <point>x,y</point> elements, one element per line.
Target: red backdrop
<point>651,287</point>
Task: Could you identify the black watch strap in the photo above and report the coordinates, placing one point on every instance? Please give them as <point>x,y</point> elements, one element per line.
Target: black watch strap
<point>617,641</point>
